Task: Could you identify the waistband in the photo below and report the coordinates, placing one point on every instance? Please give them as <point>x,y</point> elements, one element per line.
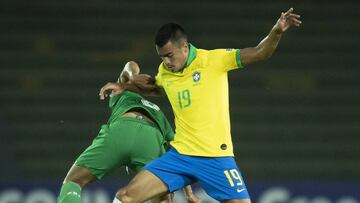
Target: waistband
<point>137,120</point>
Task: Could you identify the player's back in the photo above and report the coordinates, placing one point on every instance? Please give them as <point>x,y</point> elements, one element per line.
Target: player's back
<point>131,101</point>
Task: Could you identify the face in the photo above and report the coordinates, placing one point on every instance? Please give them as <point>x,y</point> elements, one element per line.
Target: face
<point>174,55</point>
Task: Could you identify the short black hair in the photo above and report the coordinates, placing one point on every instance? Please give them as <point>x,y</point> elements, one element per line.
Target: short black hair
<point>170,31</point>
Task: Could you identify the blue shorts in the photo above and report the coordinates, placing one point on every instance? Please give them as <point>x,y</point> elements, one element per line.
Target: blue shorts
<point>218,176</point>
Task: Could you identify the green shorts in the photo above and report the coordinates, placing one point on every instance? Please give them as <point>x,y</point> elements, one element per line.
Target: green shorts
<point>127,141</point>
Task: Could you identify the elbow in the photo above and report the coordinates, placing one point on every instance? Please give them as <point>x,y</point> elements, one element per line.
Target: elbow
<point>267,56</point>
<point>265,50</point>
<point>263,56</point>
<point>255,54</point>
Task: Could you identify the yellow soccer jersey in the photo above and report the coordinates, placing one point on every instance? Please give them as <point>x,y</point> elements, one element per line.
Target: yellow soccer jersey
<point>200,101</point>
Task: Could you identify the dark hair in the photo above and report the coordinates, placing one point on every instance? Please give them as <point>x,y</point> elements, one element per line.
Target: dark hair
<point>170,32</point>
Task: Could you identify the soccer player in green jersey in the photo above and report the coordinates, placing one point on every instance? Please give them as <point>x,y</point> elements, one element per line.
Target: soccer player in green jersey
<point>134,135</point>
<point>195,82</point>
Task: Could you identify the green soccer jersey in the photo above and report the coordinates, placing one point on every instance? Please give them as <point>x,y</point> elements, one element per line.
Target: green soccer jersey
<point>128,100</point>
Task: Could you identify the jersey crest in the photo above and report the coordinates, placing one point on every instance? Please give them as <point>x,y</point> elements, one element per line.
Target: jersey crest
<point>196,76</point>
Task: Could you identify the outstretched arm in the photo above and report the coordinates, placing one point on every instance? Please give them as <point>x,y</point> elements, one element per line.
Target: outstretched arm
<point>268,45</point>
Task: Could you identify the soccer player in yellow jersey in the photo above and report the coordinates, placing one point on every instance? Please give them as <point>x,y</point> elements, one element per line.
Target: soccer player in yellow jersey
<point>195,82</point>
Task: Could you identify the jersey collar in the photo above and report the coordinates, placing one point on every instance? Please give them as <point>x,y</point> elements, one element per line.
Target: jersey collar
<point>191,57</point>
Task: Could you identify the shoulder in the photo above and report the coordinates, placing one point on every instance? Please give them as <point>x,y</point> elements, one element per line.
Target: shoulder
<point>161,67</point>
<point>161,70</point>
<point>213,53</point>
<point>220,51</point>
<point>202,52</point>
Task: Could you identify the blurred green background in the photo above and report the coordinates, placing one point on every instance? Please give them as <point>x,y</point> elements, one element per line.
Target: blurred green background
<point>295,116</point>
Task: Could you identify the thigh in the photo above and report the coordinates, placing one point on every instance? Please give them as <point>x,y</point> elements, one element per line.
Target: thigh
<point>109,150</point>
<point>172,169</point>
<point>144,186</point>
<point>147,147</point>
<point>221,178</point>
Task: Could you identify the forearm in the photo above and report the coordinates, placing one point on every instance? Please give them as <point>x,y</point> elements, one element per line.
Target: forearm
<point>146,85</point>
<point>147,90</point>
<point>131,87</point>
<point>263,50</point>
<point>268,45</point>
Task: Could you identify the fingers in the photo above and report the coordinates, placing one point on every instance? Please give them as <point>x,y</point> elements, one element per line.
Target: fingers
<point>282,16</point>
<point>292,18</point>
<point>295,22</point>
<point>288,12</point>
<point>293,15</point>
<point>116,88</point>
<point>102,92</point>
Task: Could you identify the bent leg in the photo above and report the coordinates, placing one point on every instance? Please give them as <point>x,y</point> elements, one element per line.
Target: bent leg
<point>163,199</point>
<point>89,166</point>
<point>168,198</point>
<point>80,175</point>
<point>144,186</point>
<point>107,152</point>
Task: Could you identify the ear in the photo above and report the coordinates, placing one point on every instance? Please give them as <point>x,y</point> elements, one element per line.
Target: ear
<point>185,47</point>
<point>186,44</point>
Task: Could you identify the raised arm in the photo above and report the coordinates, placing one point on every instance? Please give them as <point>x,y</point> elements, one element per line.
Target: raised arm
<point>267,46</point>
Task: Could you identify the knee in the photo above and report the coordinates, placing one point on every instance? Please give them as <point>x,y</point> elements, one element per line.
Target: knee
<point>79,175</point>
<point>124,196</point>
<point>81,182</point>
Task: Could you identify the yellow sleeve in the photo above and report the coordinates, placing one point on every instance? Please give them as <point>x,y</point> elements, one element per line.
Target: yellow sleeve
<point>158,78</point>
<point>228,59</point>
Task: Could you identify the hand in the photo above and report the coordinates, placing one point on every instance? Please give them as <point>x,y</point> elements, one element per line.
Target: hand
<point>114,87</point>
<point>287,20</point>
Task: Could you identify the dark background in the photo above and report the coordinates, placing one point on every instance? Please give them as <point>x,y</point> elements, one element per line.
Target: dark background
<point>295,116</point>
